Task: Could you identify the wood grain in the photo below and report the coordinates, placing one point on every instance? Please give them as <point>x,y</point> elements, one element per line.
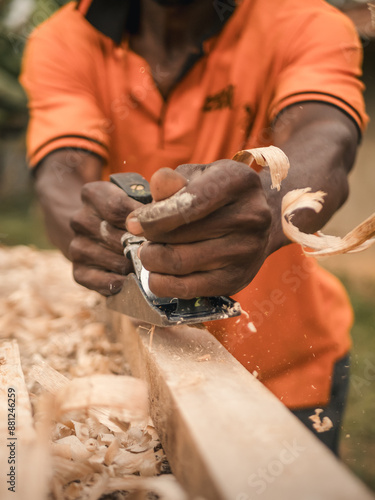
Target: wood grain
<point>226,436</point>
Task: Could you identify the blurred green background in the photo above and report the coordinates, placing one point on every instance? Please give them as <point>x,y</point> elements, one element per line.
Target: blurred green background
<point>21,219</point>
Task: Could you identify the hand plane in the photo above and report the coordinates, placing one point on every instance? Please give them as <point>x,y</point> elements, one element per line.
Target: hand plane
<point>136,299</point>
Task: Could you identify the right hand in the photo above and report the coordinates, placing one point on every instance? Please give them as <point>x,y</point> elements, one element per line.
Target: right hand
<point>96,249</point>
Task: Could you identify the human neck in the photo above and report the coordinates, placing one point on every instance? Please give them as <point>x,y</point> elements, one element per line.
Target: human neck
<point>174,27</point>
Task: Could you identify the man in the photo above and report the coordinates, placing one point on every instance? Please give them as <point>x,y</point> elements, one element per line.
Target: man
<point>152,85</point>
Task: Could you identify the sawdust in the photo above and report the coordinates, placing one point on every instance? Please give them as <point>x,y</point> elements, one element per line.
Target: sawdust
<point>204,357</point>
<point>252,327</point>
<point>104,233</point>
<point>179,203</point>
<point>94,414</point>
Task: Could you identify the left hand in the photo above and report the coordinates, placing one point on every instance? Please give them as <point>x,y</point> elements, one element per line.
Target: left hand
<point>211,237</point>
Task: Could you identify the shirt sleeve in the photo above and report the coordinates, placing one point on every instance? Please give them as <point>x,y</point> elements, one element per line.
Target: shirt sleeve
<point>321,62</point>
<point>60,83</point>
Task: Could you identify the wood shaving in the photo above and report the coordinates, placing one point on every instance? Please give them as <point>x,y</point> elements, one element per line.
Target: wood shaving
<point>97,425</point>
<point>52,317</point>
<point>271,157</point>
<point>321,245</point>
<point>321,425</point>
<point>151,332</point>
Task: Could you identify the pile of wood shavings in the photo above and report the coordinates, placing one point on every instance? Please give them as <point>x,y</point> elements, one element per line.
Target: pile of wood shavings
<point>57,325</point>
<point>52,318</point>
<point>102,439</point>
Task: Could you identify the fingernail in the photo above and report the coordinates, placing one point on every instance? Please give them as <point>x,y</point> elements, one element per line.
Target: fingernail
<point>139,251</point>
<point>115,287</point>
<point>134,226</point>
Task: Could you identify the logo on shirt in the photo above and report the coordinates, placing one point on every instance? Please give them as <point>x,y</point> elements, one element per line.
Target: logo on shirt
<point>221,100</point>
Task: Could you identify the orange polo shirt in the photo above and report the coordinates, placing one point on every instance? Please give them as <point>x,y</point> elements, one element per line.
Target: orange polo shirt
<point>90,91</point>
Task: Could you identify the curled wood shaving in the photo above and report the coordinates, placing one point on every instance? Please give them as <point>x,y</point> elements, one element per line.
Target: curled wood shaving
<point>359,239</point>
<point>271,157</point>
<point>319,244</point>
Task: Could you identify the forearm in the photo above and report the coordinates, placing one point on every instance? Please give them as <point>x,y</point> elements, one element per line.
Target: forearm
<point>321,152</point>
<point>58,184</point>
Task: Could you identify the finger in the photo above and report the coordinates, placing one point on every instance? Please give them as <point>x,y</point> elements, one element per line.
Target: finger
<point>86,223</point>
<point>86,251</point>
<point>166,182</point>
<point>191,170</point>
<point>109,201</point>
<point>104,282</point>
<point>218,186</point>
<point>205,284</point>
<point>248,215</point>
<point>207,255</point>
<point>111,237</point>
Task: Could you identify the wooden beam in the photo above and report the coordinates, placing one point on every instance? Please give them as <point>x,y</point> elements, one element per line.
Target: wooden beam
<point>225,435</point>
<point>20,447</point>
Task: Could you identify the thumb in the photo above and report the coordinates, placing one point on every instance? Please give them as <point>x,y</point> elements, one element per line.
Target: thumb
<point>166,182</point>
<point>163,184</point>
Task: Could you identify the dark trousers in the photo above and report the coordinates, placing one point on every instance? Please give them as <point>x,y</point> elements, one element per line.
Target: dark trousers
<point>334,409</point>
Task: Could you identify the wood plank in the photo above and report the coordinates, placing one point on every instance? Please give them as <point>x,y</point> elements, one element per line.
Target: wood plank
<point>30,455</point>
<point>226,436</point>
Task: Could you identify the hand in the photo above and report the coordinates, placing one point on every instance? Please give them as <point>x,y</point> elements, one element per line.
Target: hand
<point>207,235</point>
<point>96,249</point>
